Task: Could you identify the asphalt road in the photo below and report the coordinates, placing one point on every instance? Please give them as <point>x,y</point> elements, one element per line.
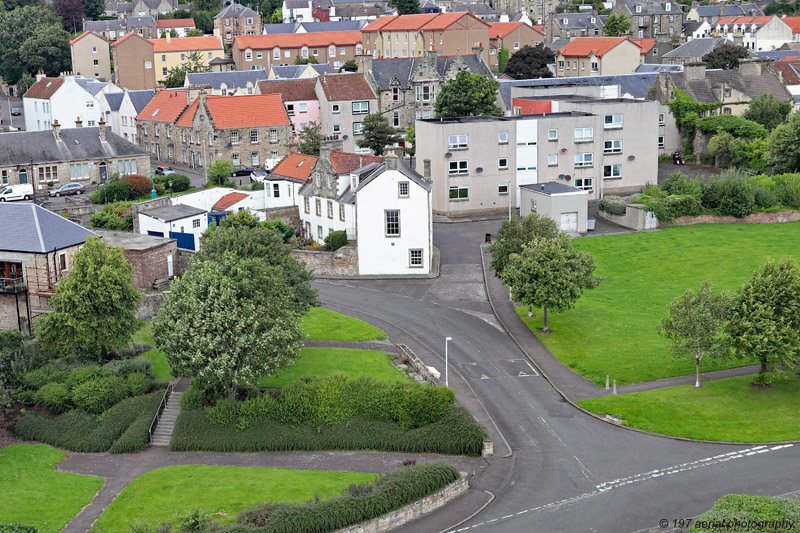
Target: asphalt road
<point>572,472</point>
<point>5,114</point>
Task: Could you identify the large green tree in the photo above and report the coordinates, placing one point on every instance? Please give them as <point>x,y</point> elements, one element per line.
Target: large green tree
<point>219,172</point>
<point>310,139</point>
<point>726,56</point>
<point>765,318</point>
<point>203,20</point>
<point>94,308</point>
<point>228,321</point>
<point>616,25</point>
<point>514,234</point>
<point>15,28</point>
<point>406,7</point>
<point>207,5</point>
<point>377,133</point>
<point>47,49</point>
<point>768,111</point>
<point>349,66</point>
<point>466,95</point>
<point>551,274</point>
<point>695,325</point>
<point>71,13</point>
<point>94,8</point>
<point>530,62</point>
<point>783,146</point>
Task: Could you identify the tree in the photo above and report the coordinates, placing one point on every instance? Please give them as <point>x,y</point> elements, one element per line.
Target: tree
<point>616,25</point>
<point>48,50</point>
<point>212,6</point>
<point>720,146</point>
<point>551,274</point>
<point>71,13</point>
<point>310,139</point>
<point>203,21</point>
<point>25,82</point>
<point>277,17</point>
<point>310,60</point>
<point>765,318</point>
<point>406,7</point>
<point>726,56</point>
<point>220,171</point>
<point>94,8</point>
<point>377,133</point>
<point>349,66</point>
<point>502,59</point>
<point>687,114</point>
<point>15,28</point>
<point>176,77</point>
<point>94,308</point>
<point>194,33</point>
<point>531,62</point>
<point>768,111</point>
<point>411,141</point>
<point>466,95</point>
<point>228,322</point>
<point>783,146</point>
<point>194,62</point>
<point>695,325</point>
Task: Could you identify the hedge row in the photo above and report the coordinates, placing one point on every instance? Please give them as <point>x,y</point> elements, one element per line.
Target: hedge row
<point>362,502</point>
<point>17,528</point>
<point>121,429</point>
<point>753,513</point>
<point>455,433</point>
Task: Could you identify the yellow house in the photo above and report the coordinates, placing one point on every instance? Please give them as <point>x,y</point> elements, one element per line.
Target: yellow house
<point>168,53</point>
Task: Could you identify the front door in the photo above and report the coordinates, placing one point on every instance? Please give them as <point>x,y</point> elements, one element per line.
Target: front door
<point>569,222</point>
<point>103,172</point>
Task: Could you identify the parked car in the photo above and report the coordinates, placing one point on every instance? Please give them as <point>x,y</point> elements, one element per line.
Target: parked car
<point>15,111</point>
<point>69,188</point>
<point>242,170</point>
<point>164,170</point>
<point>21,191</point>
<point>259,175</point>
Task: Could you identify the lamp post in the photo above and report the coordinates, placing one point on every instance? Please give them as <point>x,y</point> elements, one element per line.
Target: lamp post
<point>170,188</point>
<point>446,363</point>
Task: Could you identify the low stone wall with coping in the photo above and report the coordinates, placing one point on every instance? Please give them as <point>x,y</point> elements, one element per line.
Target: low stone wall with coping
<point>342,262</point>
<point>754,218</point>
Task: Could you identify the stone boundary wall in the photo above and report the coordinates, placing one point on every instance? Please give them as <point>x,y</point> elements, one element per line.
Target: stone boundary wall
<point>413,510</point>
<point>635,218</point>
<point>141,207</point>
<point>289,215</point>
<point>150,304</point>
<point>342,262</point>
<point>755,218</point>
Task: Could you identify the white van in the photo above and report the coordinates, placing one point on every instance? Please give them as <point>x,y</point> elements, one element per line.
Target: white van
<point>22,191</point>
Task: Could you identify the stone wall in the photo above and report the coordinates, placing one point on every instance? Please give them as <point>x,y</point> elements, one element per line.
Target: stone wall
<point>412,511</point>
<point>150,304</point>
<point>342,262</point>
<point>151,264</point>
<point>755,218</point>
<point>635,217</point>
<point>141,207</point>
<point>183,261</point>
<point>13,311</point>
<point>289,215</point>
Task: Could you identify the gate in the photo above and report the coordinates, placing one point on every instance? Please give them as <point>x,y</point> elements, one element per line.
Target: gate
<point>185,240</point>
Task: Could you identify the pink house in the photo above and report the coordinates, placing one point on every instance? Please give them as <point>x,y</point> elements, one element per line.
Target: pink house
<point>299,98</point>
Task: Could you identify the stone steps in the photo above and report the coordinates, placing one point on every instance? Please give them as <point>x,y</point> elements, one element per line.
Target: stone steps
<point>163,432</point>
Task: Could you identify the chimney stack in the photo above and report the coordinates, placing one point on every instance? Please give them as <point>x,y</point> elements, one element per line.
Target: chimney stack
<point>694,71</point>
<point>57,130</point>
<point>426,172</point>
<point>102,128</point>
<point>78,122</point>
<point>328,145</point>
<point>391,160</point>
<point>364,62</point>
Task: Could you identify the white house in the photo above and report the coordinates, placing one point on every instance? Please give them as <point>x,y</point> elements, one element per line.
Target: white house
<point>184,223</point>
<point>754,33</point>
<point>394,220</point>
<point>703,31</point>
<point>72,100</point>
<point>219,201</point>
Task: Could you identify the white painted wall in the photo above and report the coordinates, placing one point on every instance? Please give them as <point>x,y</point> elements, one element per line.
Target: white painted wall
<point>527,154</point>
<point>69,102</point>
<point>313,223</point>
<point>183,225</point>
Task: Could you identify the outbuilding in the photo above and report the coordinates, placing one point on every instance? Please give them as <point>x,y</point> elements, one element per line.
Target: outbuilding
<point>183,223</point>
<point>565,204</point>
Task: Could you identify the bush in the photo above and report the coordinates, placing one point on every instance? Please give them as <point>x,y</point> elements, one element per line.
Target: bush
<point>10,340</point>
<point>749,508</point>
<point>54,397</point>
<point>683,205</point>
<point>180,182</point>
<point>113,190</point>
<point>257,186</point>
<point>17,528</point>
<point>735,197</point>
<point>97,395</point>
<point>613,205</point>
<point>679,183</point>
<point>733,124</point>
<point>49,373</point>
<point>86,373</point>
<point>79,431</point>
<point>134,349</point>
<point>139,185</point>
<point>138,384</point>
<point>765,198</point>
<point>125,367</point>
<point>787,188</point>
<point>336,240</point>
<point>116,216</point>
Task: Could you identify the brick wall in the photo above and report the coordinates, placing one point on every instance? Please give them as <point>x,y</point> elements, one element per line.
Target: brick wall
<point>150,265</point>
<point>342,262</point>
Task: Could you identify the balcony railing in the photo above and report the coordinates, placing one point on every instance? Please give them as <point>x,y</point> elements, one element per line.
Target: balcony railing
<point>12,285</point>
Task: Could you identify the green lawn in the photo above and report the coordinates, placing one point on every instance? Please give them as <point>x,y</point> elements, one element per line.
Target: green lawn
<point>327,361</point>
<point>726,409</point>
<point>164,494</point>
<point>144,334</point>
<point>612,329</point>
<point>33,493</point>
<point>326,325</point>
<point>161,369</point>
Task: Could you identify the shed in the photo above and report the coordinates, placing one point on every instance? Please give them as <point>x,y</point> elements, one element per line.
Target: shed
<point>180,222</point>
<point>567,205</point>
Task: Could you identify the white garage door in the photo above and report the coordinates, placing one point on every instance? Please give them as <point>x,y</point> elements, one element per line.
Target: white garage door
<point>569,222</point>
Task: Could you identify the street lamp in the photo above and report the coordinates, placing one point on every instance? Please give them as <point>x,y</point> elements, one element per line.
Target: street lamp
<point>170,188</point>
<point>446,365</point>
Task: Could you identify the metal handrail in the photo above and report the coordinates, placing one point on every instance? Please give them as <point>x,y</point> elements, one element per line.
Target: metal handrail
<point>161,407</point>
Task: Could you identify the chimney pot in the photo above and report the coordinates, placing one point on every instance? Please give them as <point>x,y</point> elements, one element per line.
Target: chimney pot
<point>57,130</point>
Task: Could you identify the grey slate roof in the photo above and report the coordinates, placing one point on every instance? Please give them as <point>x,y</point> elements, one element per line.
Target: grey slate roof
<point>141,98</point>
<point>173,212</point>
<point>90,85</point>
<point>731,10</point>
<point>114,100</point>
<point>579,21</point>
<point>552,187</point>
<point>696,48</point>
<point>235,11</point>
<point>402,68</point>
<point>323,68</point>
<point>654,7</point>
<point>233,79</point>
<point>303,4</point>
<point>404,169</point>
<point>475,9</point>
<point>76,144</point>
<point>307,189</point>
<point>37,230</point>
<point>635,84</point>
<point>124,7</point>
<point>777,54</point>
<point>752,86</point>
<point>140,22</point>
<point>288,72</point>
<point>340,25</point>
<point>98,26</point>
<point>558,44</point>
<point>287,27</point>
<point>657,67</point>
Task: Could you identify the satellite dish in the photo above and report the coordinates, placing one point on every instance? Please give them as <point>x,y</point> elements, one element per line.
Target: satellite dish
<point>562,176</point>
<point>479,170</point>
<point>567,177</point>
<point>344,137</point>
<point>631,157</point>
<point>448,154</point>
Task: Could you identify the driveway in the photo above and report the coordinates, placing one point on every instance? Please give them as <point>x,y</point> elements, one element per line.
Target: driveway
<point>691,170</point>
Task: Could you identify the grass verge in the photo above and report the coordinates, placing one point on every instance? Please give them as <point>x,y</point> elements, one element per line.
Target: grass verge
<point>326,325</point>
<point>161,370</point>
<point>144,334</point>
<point>725,410</point>
<point>33,493</point>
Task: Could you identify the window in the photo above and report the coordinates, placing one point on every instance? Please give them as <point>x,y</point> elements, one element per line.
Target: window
<point>661,117</point>
<point>337,128</point>
<point>253,136</point>
<point>612,171</point>
<point>304,53</point>
<point>273,135</point>
<point>396,119</point>
<point>612,121</point>
<point>259,55</point>
<point>4,176</point>
<point>254,159</point>
<point>516,45</point>
<point>77,171</point>
<point>661,141</point>
<point>395,94</point>
<point>234,137</point>
<point>276,53</point>
<point>552,135</point>
<point>502,188</point>
<point>334,108</point>
<point>584,160</point>
<point>457,142</point>
<point>90,103</point>
<point>307,204</point>
<point>594,66</point>
<point>357,128</point>
<point>319,233</point>
<point>96,62</point>
<point>319,207</point>
<point>560,65</point>
<point>302,108</point>
<point>315,52</point>
<point>502,137</point>
<point>148,64</point>
<point>638,9</point>
<point>330,209</point>
<point>91,123</point>
<point>360,108</point>
<point>726,91</point>
<point>415,258</point>
<point>276,190</point>
<point>459,167</point>
<point>584,135</point>
<point>249,20</point>
<point>392,217</point>
<point>612,147</point>
<point>459,192</point>
<point>48,173</point>
<point>196,223</point>
<point>235,159</point>
<point>290,109</point>
<point>726,110</point>
<point>286,53</point>
<point>424,93</point>
<point>402,189</point>
<point>584,183</point>
<point>164,71</point>
<point>502,163</point>
<point>552,160</point>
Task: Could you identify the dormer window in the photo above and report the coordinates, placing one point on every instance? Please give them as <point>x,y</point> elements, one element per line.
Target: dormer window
<point>668,7</point>
<point>592,20</point>
<point>566,21</point>
<point>638,9</point>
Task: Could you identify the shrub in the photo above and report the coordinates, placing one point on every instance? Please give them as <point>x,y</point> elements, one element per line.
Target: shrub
<point>98,395</point>
<point>54,397</point>
<point>113,190</point>
<point>116,216</point>
<point>787,187</point>
<point>180,182</point>
<point>17,528</point>
<point>613,205</point>
<point>765,198</point>
<point>139,185</point>
<point>86,373</point>
<point>679,183</point>
<point>733,124</point>
<point>138,384</point>
<point>125,367</point>
<point>196,397</point>
<point>683,205</point>
<point>49,373</point>
<point>753,508</point>
<point>336,240</point>
<point>257,186</point>
<point>10,340</point>
<point>735,197</point>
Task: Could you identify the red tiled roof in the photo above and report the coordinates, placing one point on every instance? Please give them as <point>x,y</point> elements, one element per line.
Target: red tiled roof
<point>792,22</point>
<point>84,34</point>
<point>186,44</point>
<point>585,46</point>
<point>165,106</point>
<point>742,20</point>
<point>539,28</point>
<point>318,39</point>
<point>247,111</point>
<point>292,90</point>
<point>229,199</point>
<point>645,44</point>
<point>445,20</point>
<point>127,37</point>
<point>175,23</point>
<point>346,162</point>
<point>400,23</point>
<point>788,68</point>
<point>295,166</point>
<point>501,29</point>
<point>346,87</point>
<point>44,88</point>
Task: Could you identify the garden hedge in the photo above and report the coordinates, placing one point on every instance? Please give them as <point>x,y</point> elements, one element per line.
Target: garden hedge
<point>17,528</point>
<point>753,513</point>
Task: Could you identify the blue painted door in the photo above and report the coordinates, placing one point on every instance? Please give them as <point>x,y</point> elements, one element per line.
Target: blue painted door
<point>185,240</point>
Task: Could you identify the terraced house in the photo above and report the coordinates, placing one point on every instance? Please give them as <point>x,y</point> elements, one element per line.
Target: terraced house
<point>169,52</point>
<point>234,20</point>
<point>262,52</point>
<point>344,101</point>
<point>512,36</point>
<point>246,130</point>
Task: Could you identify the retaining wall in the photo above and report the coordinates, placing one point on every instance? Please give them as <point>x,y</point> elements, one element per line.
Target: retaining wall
<point>342,262</point>
<point>755,218</point>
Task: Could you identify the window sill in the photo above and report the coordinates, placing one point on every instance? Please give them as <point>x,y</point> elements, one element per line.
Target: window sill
<point>458,199</point>
<point>457,148</point>
<point>580,141</point>
<point>613,153</point>
<point>502,168</point>
<point>584,166</point>
<point>392,236</point>
<point>612,178</point>
<point>612,127</point>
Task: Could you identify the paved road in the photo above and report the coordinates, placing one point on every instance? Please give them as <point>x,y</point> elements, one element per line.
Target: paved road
<point>5,114</point>
<point>572,472</point>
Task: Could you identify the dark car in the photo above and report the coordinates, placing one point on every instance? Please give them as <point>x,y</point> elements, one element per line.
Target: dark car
<point>164,170</point>
<point>242,170</point>
<point>15,111</point>
<point>68,188</point>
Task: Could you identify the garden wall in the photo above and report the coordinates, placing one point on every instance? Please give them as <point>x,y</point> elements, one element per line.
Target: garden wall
<point>288,215</point>
<point>342,262</point>
<point>755,218</point>
<point>150,304</point>
<point>412,511</point>
<point>635,218</point>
